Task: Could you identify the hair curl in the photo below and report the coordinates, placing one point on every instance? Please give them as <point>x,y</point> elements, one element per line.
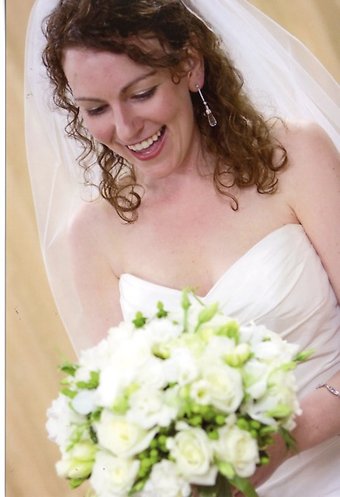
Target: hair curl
<point>242,143</point>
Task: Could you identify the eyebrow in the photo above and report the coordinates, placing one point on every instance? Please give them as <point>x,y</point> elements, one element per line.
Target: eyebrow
<point>123,90</point>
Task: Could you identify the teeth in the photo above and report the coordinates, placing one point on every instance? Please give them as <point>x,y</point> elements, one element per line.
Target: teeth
<point>137,147</point>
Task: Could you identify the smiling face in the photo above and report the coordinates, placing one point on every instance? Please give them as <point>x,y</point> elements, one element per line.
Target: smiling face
<point>135,110</point>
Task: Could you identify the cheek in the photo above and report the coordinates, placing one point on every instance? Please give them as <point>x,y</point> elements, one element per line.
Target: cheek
<point>99,127</point>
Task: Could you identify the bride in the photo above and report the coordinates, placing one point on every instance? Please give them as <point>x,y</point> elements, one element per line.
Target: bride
<point>198,188</point>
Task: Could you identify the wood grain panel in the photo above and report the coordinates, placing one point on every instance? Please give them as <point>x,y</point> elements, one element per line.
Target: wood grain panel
<point>36,342</point>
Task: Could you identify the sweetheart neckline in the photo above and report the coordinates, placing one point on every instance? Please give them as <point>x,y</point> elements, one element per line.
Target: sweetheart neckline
<point>226,272</point>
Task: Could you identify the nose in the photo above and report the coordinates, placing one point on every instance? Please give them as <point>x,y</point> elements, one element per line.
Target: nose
<point>127,124</point>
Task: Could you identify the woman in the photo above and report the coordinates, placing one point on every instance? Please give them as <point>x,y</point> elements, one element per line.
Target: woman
<point>199,189</point>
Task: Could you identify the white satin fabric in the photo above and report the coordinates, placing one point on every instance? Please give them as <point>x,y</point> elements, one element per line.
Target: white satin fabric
<point>280,282</point>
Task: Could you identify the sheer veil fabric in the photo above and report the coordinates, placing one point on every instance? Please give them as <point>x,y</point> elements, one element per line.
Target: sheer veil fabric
<point>281,75</point>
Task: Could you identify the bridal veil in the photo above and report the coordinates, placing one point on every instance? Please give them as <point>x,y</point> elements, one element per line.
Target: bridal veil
<point>281,75</point>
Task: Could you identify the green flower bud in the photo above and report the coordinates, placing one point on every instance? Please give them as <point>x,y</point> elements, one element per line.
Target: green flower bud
<point>195,420</point>
<point>280,411</point>
<point>139,320</point>
<point>161,351</point>
<point>162,313</point>
<point>256,425</point>
<point>80,469</point>
<point>207,313</point>
<point>185,300</point>
<point>220,420</point>
<point>213,435</point>
<point>84,451</point>
<point>231,329</point>
<point>242,424</point>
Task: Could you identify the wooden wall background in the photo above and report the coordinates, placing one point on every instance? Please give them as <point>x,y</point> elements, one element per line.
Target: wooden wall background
<point>36,341</point>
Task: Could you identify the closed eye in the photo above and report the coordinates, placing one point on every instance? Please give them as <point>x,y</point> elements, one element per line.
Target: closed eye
<point>96,111</point>
<point>144,95</point>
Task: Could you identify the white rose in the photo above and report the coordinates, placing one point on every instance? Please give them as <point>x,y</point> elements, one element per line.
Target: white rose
<point>62,420</point>
<point>148,408</point>
<point>165,481</point>
<point>122,437</point>
<point>112,476</point>
<point>225,386</point>
<point>239,448</point>
<point>192,452</point>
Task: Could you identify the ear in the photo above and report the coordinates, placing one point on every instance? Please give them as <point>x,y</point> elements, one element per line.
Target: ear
<point>195,74</point>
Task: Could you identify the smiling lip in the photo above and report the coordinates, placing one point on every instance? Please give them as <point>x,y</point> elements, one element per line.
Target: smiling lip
<point>153,150</point>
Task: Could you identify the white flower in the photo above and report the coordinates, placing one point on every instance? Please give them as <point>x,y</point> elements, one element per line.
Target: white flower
<point>84,401</point>
<point>164,481</point>
<point>181,367</point>
<point>255,376</point>
<point>225,386</point>
<point>62,420</point>
<point>200,392</point>
<point>132,362</point>
<point>278,401</point>
<point>216,349</point>
<point>192,452</point>
<point>112,476</point>
<point>77,462</point>
<point>122,437</point>
<point>238,448</point>
<point>162,331</point>
<point>148,408</point>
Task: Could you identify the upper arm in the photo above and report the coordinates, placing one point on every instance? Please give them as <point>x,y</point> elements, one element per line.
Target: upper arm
<point>313,186</point>
<point>94,278</point>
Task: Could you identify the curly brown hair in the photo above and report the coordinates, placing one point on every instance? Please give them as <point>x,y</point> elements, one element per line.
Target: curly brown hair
<point>242,143</point>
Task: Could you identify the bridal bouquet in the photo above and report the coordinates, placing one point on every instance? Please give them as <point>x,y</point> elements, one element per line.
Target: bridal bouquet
<point>174,400</point>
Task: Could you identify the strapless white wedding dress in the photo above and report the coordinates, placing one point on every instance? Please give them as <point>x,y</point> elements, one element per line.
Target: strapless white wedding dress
<point>281,283</point>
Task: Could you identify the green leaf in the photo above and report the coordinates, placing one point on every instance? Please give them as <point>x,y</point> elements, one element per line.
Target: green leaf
<point>244,485</point>
<point>69,368</point>
<point>304,356</point>
<point>68,393</point>
<point>92,383</point>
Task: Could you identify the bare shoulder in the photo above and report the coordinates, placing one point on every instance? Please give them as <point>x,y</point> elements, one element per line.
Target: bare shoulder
<point>95,223</point>
<point>308,147</point>
<point>310,185</point>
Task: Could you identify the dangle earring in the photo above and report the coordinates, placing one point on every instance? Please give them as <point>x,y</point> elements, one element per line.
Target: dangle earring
<point>211,118</point>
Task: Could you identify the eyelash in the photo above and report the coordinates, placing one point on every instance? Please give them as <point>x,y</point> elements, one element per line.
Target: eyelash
<point>139,97</point>
<point>145,95</point>
<point>96,111</point>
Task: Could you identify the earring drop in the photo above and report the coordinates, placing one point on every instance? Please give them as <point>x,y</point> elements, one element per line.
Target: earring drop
<point>211,118</point>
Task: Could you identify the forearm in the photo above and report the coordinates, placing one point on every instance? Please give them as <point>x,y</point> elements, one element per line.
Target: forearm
<point>320,419</point>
